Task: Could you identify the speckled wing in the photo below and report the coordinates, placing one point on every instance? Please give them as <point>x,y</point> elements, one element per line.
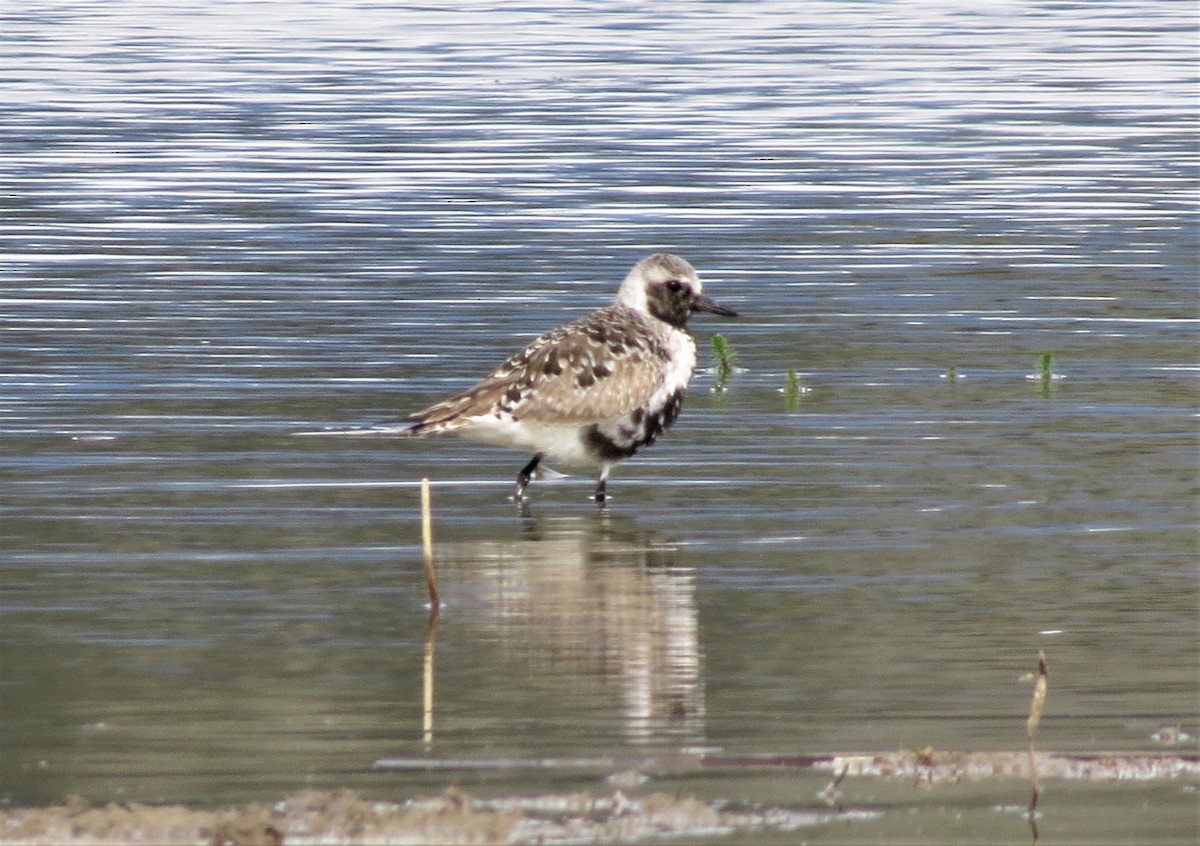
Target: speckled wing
<point>598,368</point>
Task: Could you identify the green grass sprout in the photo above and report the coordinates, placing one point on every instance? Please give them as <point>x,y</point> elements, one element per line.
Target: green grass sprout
<point>726,361</point>
<point>792,389</point>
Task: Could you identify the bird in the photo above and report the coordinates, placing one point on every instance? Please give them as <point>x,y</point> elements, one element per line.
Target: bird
<point>591,392</point>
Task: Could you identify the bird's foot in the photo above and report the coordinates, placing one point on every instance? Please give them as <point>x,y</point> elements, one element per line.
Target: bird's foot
<point>527,472</point>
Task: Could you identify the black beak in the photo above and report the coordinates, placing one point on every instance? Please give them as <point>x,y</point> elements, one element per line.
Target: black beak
<point>703,303</point>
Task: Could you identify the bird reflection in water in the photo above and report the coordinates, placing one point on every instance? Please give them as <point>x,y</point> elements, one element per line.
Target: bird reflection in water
<point>597,602</point>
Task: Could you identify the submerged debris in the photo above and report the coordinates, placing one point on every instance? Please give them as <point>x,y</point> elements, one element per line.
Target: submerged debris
<point>342,817</point>
<point>931,767</point>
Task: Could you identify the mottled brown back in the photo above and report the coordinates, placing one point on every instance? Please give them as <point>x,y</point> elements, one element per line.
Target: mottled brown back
<point>602,366</point>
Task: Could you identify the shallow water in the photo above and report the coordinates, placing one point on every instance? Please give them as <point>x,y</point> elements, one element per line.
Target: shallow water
<point>223,226</point>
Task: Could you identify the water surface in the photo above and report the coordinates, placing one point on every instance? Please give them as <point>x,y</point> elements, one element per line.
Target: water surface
<point>223,225</point>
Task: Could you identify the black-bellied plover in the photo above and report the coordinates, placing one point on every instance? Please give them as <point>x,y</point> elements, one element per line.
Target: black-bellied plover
<point>592,392</point>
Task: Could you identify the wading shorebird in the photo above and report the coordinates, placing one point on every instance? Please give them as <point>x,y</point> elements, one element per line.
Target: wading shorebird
<point>592,392</point>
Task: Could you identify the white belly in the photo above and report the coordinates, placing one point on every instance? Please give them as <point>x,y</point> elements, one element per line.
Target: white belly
<point>564,444</point>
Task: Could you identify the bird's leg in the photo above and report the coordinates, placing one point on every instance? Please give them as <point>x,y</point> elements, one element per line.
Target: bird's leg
<point>601,495</point>
<point>524,476</point>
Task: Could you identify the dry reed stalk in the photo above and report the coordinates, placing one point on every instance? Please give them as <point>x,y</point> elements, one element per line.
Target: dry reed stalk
<point>427,543</point>
<point>1031,727</point>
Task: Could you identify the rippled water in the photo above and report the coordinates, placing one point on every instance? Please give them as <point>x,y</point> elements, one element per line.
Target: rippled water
<point>227,222</point>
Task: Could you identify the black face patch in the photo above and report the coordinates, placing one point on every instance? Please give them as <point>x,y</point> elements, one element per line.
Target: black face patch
<point>670,303</point>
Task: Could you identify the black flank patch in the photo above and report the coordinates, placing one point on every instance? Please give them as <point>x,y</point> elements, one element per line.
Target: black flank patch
<point>658,422</point>
<point>604,447</point>
<point>641,430</point>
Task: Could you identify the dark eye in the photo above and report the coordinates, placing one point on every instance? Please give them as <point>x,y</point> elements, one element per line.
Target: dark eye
<point>674,286</point>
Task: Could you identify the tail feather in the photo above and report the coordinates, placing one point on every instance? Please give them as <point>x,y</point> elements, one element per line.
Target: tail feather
<point>383,429</point>
<point>446,416</point>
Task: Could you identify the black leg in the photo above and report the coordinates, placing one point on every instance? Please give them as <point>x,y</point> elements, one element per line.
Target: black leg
<point>601,495</point>
<point>524,476</point>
